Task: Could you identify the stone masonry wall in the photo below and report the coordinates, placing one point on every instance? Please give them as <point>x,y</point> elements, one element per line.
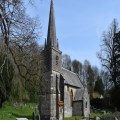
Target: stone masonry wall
<point>77,108</point>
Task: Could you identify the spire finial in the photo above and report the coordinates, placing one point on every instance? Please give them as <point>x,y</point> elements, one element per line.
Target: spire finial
<point>51,37</point>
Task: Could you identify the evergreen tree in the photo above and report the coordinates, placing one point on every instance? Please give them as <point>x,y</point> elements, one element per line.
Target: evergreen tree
<point>117,57</point>
<point>109,52</point>
<point>99,87</point>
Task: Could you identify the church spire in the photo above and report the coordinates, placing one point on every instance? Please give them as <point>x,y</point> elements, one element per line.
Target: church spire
<point>51,37</point>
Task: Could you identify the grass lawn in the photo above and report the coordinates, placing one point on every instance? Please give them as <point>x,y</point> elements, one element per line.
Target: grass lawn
<point>95,114</point>
<point>11,112</point>
<point>74,118</point>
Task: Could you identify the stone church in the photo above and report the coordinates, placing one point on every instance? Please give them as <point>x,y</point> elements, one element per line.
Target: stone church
<point>62,94</point>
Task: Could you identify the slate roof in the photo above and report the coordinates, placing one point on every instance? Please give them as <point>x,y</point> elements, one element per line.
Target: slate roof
<point>79,95</point>
<point>71,78</point>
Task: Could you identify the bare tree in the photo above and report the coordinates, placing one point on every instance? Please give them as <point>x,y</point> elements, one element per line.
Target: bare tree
<point>85,70</point>
<point>107,54</point>
<point>96,72</point>
<point>6,75</point>
<point>105,77</point>
<point>77,67</point>
<point>19,34</point>
<point>66,61</point>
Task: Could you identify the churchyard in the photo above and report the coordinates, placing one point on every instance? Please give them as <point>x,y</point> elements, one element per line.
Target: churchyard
<point>13,110</point>
<point>32,73</point>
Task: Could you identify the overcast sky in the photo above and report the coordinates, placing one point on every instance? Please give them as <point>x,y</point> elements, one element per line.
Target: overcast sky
<point>79,24</point>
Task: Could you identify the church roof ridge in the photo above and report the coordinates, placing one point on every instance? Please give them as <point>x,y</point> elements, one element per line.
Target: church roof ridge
<point>76,75</point>
<point>69,71</point>
<point>71,78</point>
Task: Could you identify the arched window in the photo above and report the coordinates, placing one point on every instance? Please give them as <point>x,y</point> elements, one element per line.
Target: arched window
<point>86,104</point>
<point>67,88</point>
<point>71,98</point>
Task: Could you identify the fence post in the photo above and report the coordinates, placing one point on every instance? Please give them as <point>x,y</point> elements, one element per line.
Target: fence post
<point>33,116</point>
<point>94,118</point>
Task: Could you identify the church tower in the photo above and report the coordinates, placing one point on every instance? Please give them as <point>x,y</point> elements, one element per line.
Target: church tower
<point>51,83</point>
<point>52,42</point>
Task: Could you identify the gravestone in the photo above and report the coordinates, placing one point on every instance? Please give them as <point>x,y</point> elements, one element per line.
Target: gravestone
<point>21,119</point>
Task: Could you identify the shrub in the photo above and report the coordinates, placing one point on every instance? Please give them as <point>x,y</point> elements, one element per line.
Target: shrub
<point>107,117</point>
<point>97,103</point>
<point>110,116</point>
<point>115,98</point>
<point>117,115</point>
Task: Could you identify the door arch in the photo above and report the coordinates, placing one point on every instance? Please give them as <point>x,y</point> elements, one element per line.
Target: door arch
<point>71,98</point>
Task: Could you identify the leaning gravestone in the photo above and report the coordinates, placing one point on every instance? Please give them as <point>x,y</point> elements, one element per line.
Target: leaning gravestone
<point>116,118</point>
<point>97,118</point>
<point>21,119</point>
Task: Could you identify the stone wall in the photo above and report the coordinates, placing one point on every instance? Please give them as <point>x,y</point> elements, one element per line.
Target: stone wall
<point>86,103</point>
<point>56,60</point>
<point>67,105</point>
<point>81,107</point>
<point>50,94</point>
<point>77,108</point>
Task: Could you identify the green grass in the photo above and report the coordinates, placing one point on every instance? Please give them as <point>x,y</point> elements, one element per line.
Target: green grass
<point>10,111</point>
<point>74,118</point>
<point>95,114</point>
